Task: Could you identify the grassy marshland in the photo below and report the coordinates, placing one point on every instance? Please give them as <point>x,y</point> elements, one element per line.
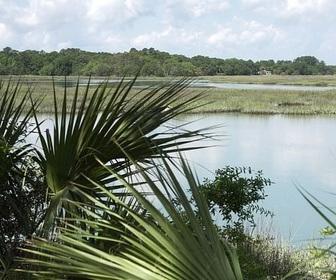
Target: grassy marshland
<point>258,101</point>
<point>270,101</point>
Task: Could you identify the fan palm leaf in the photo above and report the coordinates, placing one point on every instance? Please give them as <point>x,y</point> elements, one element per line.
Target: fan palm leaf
<point>18,214</point>
<point>104,125</point>
<point>159,247</point>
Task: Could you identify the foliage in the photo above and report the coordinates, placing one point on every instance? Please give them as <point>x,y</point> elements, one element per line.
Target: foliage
<point>149,62</point>
<point>102,126</point>
<point>151,248</point>
<point>112,191</point>
<point>21,185</point>
<point>234,193</point>
<point>110,129</point>
<point>261,255</point>
<point>324,255</point>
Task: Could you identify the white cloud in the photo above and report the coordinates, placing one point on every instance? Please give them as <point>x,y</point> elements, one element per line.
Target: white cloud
<point>304,6</point>
<point>197,8</point>
<point>5,34</point>
<point>305,10</point>
<point>117,11</point>
<point>177,12</point>
<point>242,32</point>
<point>290,11</point>
<point>251,3</point>
<point>168,37</point>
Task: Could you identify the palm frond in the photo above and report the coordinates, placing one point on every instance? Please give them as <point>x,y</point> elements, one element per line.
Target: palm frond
<point>316,204</point>
<point>103,125</point>
<point>18,197</point>
<point>158,246</point>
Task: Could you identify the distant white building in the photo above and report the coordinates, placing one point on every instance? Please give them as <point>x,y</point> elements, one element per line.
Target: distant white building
<point>264,72</point>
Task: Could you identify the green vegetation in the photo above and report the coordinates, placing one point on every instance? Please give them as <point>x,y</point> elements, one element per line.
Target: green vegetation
<point>21,183</point>
<point>149,62</point>
<point>138,241</point>
<point>214,100</point>
<point>270,101</point>
<point>234,194</point>
<point>325,254</point>
<point>97,171</point>
<point>103,197</point>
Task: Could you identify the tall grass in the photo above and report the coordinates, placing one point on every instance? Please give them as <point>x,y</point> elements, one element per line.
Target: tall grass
<point>265,255</point>
<point>268,101</point>
<point>252,101</point>
<point>233,100</point>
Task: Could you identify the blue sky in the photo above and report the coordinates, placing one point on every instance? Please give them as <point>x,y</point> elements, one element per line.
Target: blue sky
<point>246,29</point>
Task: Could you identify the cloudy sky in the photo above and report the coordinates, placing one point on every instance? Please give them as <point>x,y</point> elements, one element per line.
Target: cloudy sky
<point>247,29</point>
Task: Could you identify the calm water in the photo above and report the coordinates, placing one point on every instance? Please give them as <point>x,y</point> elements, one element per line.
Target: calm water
<point>272,87</point>
<point>291,151</point>
<point>199,84</point>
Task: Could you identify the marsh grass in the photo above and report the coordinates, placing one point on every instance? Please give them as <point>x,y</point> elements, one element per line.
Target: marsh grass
<point>234,100</point>
<point>221,100</point>
<point>268,101</point>
<point>263,256</point>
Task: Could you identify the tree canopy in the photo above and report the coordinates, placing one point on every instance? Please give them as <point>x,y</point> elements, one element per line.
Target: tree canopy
<point>149,62</point>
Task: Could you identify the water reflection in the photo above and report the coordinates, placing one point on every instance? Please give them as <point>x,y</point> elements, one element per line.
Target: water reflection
<point>291,151</point>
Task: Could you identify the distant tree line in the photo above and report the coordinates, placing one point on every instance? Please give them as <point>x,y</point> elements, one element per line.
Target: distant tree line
<point>149,62</point>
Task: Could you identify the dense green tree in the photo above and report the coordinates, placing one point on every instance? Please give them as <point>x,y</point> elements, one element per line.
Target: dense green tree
<point>234,66</point>
<point>308,60</point>
<point>28,62</point>
<point>171,67</point>
<point>47,70</point>
<point>63,66</point>
<point>8,61</point>
<point>152,68</point>
<point>268,65</point>
<point>283,67</point>
<point>73,61</point>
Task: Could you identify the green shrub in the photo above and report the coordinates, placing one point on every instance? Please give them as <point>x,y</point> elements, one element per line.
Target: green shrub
<point>234,193</point>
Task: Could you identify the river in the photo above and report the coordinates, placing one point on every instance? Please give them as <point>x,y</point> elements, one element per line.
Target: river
<point>291,151</point>
<point>196,84</point>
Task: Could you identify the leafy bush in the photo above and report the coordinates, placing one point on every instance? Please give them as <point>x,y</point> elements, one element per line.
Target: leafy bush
<point>234,193</point>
